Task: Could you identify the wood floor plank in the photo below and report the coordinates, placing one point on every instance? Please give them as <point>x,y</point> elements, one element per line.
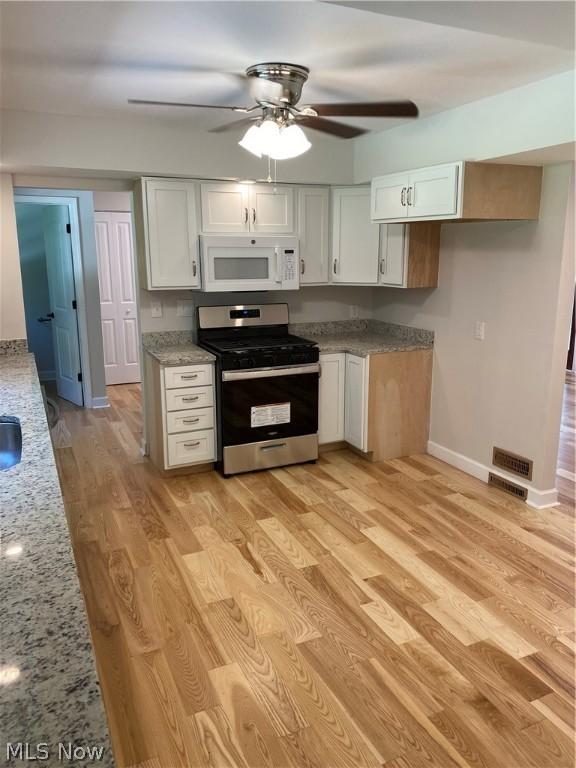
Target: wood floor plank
<point>341,614</point>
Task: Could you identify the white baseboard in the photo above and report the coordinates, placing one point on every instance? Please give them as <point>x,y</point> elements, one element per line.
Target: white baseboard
<point>536,498</point>
<point>98,402</point>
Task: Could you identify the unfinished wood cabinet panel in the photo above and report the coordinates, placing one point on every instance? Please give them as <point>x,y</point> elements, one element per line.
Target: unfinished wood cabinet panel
<point>496,191</point>
<point>423,252</point>
<point>399,403</point>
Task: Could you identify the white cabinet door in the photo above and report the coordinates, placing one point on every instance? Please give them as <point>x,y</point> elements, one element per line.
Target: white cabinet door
<point>433,191</point>
<point>313,233</point>
<point>356,401</point>
<point>331,398</point>
<point>392,254</point>
<point>225,207</point>
<point>271,209</point>
<point>172,258</point>
<point>389,193</point>
<point>117,285</point>
<point>354,237</point>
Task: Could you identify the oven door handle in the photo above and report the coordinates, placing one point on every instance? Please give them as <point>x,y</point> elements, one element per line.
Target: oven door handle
<point>268,373</point>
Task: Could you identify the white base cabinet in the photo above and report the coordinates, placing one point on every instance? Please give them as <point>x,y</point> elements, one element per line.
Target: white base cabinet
<point>343,400</point>
<point>331,398</point>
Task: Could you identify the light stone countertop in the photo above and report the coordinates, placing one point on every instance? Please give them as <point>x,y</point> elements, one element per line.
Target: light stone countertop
<point>175,348</point>
<point>363,337</point>
<point>44,637</point>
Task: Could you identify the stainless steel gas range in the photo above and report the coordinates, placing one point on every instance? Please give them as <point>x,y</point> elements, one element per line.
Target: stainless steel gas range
<point>266,387</point>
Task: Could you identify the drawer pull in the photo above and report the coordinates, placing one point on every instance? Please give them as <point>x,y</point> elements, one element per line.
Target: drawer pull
<point>190,399</point>
<point>189,376</point>
<point>191,421</point>
<point>194,444</point>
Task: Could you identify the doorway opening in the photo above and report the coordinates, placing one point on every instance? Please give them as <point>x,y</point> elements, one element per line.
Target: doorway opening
<point>565,470</point>
<point>51,270</point>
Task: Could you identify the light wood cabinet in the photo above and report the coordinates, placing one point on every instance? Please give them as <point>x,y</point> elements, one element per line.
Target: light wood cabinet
<point>355,401</point>
<point>331,398</point>
<point>409,255</point>
<point>466,191</point>
<point>179,415</point>
<point>355,239</point>
<point>313,234</point>
<point>398,405</point>
<point>167,221</point>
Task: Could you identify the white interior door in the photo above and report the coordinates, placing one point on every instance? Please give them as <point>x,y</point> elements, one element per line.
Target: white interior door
<point>117,297</point>
<point>58,248</point>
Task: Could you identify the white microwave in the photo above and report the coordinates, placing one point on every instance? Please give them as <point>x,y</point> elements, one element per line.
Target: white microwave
<point>249,263</point>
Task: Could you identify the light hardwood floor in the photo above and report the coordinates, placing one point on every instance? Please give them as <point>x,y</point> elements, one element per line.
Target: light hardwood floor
<point>566,449</point>
<point>338,614</point>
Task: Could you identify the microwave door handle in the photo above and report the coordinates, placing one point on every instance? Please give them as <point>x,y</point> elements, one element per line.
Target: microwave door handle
<point>278,253</point>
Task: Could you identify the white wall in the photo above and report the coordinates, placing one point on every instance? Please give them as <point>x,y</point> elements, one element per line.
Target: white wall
<point>12,319</point>
<point>130,147</point>
<point>505,391</point>
<point>112,201</point>
<point>35,285</point>
<point>525,119</point>
<point>309,304</point>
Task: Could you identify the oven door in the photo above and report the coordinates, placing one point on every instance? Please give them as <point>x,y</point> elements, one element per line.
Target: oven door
<point>269,404</point>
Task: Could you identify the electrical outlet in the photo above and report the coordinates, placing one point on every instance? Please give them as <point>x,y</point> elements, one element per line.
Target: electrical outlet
<point>184,308</point>
<point>354,311</point>
<point>156,308</point>
<point>479,330</point>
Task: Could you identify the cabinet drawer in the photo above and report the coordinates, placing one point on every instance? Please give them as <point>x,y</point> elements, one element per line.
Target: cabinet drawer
<point>184,421</point>
<point>188,376</point>
<point>183,399</point>
<point>191,447</point>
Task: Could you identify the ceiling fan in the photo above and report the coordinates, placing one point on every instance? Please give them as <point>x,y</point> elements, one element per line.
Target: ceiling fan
<point>277,89</point>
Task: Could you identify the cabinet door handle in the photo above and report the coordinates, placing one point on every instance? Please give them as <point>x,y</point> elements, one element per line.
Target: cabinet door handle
<point>191,421</point>
<point>403,196</point>
<point>190,399</point>
<point>302,266</point>
<point>245,215</point>
<point>409,198</point>
<point>382,266</point>
<point>193,444</point>
<point>335,266</point>
<point>188,376</point>
<point>253,215</point>
<point>194,268</point>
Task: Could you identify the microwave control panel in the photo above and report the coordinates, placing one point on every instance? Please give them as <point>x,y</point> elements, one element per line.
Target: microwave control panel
<point>289,266</point>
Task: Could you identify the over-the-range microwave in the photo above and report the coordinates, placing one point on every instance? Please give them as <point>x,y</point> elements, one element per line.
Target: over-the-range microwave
<point>249,263</point>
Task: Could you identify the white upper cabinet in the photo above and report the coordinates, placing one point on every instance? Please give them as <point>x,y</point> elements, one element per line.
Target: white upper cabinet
<point>271,209</point>
<point>465,190</point>
<point>232,207</point>
<point>225,208</point>
<point>426,193</point>
<point>433,192</point>
<point>170,224</point>
<point>354,237</point>
<point>313,233</point>
<point>392,255</point>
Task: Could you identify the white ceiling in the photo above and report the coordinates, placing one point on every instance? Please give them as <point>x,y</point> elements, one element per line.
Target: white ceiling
<point>88,57</point>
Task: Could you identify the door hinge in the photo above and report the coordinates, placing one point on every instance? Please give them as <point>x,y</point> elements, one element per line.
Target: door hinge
<point>68,229</point>
<point>79,377</point>
<point>74,305</point>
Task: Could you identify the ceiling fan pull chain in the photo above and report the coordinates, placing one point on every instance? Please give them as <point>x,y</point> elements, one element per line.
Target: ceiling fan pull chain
<point>269,179</point>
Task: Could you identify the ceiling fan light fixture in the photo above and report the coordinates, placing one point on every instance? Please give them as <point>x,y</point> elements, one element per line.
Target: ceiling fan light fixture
<point>277,142</point>
<point>251,141</point>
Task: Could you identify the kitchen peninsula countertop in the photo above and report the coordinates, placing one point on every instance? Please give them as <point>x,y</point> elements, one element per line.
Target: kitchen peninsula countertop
<point>44,637</point>
<point>364,337</point>
<point>175,348</point>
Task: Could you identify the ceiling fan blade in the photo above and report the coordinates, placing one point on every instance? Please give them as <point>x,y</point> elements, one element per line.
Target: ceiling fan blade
<point>368,109</point>
<point>341,130</point>
<point>235,125</point>
<point>184,104</point>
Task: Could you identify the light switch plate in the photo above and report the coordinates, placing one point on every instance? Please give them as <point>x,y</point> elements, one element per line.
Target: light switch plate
<point>479,330</point>
<point>156,308</point>
<point>184,308</point>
